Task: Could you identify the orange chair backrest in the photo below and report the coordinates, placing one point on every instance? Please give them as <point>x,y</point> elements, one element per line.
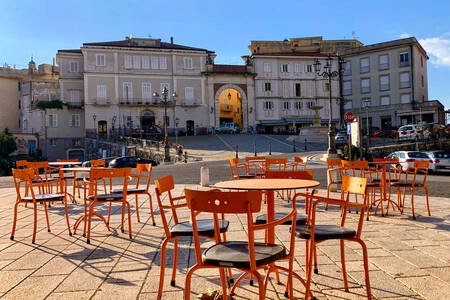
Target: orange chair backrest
<point>20,164</point>
<point>95,175</point>
<point>354,167</point>
<point>279,162</point>
<point>233,161</point>
<point>391,160</point>
<point>224,202</point>
<point>334,162</point>
<point>164,184</point>
<point>23,176</point>
<point>37,166</point>
<point>98,163</point>
<point>421,164</point>
<point>308,175</point>
<point>142,168</point>
<point>356,185</point>
<point>255,159</point>
<point>67,160</point>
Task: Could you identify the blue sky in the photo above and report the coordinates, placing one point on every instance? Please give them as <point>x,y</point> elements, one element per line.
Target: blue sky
<point>40,28</point>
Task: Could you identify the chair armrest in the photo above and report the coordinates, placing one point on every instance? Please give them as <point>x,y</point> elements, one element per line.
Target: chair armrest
<point>332,201</point>
<point>292,216</point>
<point>179,198</point>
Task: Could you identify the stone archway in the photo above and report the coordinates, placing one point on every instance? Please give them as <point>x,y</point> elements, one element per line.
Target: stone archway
<point>147,120</point>
<point>244,104</point>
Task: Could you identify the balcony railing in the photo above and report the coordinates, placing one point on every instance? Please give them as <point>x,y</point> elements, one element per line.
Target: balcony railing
<point>100,101</point>
<point>75,104</point>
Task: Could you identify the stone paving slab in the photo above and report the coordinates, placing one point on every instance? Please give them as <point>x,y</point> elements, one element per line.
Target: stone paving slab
<point>408,259</point>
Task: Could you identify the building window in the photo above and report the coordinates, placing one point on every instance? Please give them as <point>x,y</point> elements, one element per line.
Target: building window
<point>365,102</point>
<point>189,93</point>
<point>308,68</point>
<point>145,62</point>
<point>348,67</point>
<point>268,105</point>
<point>136,62</point>
<point>383,62</point>
<point>52,142</point>
<point>74,96</point>
<point>385,100</point>
<point>52,120</point>
<point>297,90</point>
<point>404,59</point>
<point>310,104</point>
<point>297,68</point>
<point>298,105</point>
<point>347,88</point>
<point>73,67</point>
<point>188,62</point>
<point>127,61</point>
<point>76,142</point>
<point>74,120</point>
<point>348,104</point>
<point>101,91</point>
<point>421,61</point>
<point>267,68</point>
<point>154,62</point>
<point>405,98</point>
<point>284,68</point>
<point>267,87</point>
<point>365,85</point>
<point>146,90</point>
<point>99,59</point>
<point>404,80</point>
<point>127,91</point>
<point>163,63</point>
<point>326,87</point>
<point>365,65</point>
<point>286,105</point>
<point>422,81</point>
<point>384,83</point>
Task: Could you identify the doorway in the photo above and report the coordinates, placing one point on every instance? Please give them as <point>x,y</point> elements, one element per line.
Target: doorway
<point>190,127</point>
<point>102,128</point>
<point>230,104</point>
<point>147,121</point>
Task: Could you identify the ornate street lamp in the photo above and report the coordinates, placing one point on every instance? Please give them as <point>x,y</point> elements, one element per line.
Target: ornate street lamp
<point>114,118</point>
<point>329,74</point>
<point>165,103</point>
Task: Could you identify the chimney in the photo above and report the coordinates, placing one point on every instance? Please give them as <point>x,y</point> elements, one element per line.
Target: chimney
<point>53,61</point>
<point>171,40</point>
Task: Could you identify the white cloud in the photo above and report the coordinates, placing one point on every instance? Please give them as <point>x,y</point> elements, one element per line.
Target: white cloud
<point>404,35</point>
<point>438,48</point>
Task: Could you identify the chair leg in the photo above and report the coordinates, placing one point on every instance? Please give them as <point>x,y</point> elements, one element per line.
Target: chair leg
<point>366,267</point>
<point>129,220</point>
<point>344,270</point>
<point>34,223</point>
<point>262,290</point>
<point>412,202</point>
<point>46,216</point>
<point>89,221</point>
<point>162,268</point>
<point>67,215</point>
<point>137,209</point>
<point>308,271</point>
<point>109,212</point>
<point>223,281</point>
<point>151,208</point>
<point>175,261</point>
<point>428,203</point>
<point>14,221</point>
<point>123,218</point>
<point>328,195</point>
<point>187,283</point>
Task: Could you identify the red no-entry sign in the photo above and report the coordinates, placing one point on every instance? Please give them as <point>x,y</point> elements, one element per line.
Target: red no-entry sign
<point>349,117</point>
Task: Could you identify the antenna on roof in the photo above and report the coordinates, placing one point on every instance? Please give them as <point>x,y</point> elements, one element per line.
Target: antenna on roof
<point>354,35</point>
<point>149,35</point>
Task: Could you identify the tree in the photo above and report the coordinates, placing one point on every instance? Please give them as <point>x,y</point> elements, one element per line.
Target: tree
<point>7,146</point>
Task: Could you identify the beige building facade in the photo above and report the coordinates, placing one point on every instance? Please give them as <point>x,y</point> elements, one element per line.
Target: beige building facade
<point>389,82</point>
<point>9,98</point>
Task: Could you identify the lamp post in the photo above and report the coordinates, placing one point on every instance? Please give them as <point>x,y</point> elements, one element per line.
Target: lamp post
<point>329,74</point>
<point>165,102</point>
<point>367,104</point>
<point>175,123</point>
<point>114,118</point>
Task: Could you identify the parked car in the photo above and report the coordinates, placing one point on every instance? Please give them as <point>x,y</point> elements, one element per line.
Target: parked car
<point>389,132</point>
<point>88,162</point>
<point>372,130</point>
<point>341,138</point>
<point>228,128</point>
<point>406,159</point>
<point>130,161</point>
<point>410,132</point>
<point>441,159</point>
<point>433,131</point>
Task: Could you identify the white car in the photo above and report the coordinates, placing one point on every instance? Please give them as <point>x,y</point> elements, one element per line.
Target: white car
<point>441,159</point>
<point>410,133</point>
<point>406,159</point>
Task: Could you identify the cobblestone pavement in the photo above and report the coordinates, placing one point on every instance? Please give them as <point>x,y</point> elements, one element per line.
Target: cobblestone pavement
<point>409,259</point>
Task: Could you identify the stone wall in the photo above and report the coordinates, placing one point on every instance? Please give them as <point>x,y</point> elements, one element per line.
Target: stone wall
<point>383,151</point>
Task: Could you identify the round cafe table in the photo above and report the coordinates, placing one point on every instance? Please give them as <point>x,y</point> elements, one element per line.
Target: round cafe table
<point>270,186</point>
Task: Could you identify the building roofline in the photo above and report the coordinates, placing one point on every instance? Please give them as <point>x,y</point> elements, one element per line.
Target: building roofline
<point>384,45</point>
<point>303,54</point>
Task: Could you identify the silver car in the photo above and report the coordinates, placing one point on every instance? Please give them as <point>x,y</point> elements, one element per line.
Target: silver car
<point>441,159</point>
<point>406,159</point>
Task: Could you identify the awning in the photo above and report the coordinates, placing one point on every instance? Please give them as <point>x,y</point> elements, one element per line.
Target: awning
<point>272,122</point>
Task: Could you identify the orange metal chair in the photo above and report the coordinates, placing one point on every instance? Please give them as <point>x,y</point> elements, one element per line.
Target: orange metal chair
<point>95,163</point>
<point>94,197</point>
<point>256,163</point>
<point>26,177</point>
<point>163,188</point>
<point>43,176</point>
<point>420,168</point>
<point>334,166</point>
<point>21,164</point>
<point>314,233</point>
<point>141,169</point>
<point>278,164</point>
<point>299,163</point>
<point>69,176</point>
<point>235,166</point>
<point>237,254</point>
